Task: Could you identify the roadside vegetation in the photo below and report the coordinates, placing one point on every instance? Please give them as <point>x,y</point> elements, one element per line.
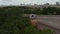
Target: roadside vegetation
<point>29,10</point>
<point>12,21</point>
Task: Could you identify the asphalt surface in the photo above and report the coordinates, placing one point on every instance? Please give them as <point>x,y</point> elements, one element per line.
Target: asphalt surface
<point>51,21</point>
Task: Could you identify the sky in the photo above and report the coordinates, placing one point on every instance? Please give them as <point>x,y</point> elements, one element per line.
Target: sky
<point>17,2</point>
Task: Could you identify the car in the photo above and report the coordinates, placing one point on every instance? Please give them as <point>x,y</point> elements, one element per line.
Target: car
<point>32,16</point>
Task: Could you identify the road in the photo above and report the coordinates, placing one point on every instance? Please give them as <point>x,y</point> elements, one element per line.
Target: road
<point>51,21</point>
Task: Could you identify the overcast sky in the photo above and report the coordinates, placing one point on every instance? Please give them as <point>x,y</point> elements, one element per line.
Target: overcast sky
<point>17,2</point>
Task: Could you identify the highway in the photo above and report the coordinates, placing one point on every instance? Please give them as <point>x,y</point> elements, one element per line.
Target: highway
<point>50,21</point>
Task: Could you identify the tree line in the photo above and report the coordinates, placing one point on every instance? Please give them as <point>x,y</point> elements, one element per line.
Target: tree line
<point>29,10</point>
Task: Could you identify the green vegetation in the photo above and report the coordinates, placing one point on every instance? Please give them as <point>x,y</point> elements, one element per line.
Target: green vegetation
<point>12,22</point>
<point>29,10</point>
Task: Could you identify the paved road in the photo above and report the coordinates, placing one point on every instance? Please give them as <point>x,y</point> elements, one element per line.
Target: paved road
<point>51,21</point>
